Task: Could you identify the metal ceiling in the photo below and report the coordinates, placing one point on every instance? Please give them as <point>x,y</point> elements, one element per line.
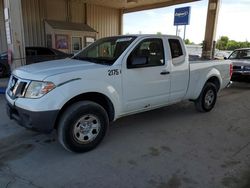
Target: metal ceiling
<point>137,5</point>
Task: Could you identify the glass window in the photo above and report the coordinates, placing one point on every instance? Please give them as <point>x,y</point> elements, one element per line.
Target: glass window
<point>76,44</point>
<point>89,40</point>
<point>44,51</point>
<point>105,50</point>
<point>148,53</point>
<point>31,52</point>
<point>175,47</point>
<point>240,54</point>
<point>49,40</point>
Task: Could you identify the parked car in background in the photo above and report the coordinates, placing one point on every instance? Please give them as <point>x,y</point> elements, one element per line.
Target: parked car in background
<point>4,66</point>
<point>33,55</point>
<point>241,64</point>
<point>221,55</point>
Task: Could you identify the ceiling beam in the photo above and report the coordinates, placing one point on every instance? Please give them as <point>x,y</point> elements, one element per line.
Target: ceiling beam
<point>157,5</point>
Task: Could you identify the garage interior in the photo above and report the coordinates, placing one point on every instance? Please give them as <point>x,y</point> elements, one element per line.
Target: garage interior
<point>27,19</point>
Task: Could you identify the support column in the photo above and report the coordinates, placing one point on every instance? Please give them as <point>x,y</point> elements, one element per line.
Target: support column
<point>14,32</point>
<point>211,27</point>
<point>120,21</point>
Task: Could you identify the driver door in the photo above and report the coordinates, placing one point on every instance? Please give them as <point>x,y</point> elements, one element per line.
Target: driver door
<point>146,76</point>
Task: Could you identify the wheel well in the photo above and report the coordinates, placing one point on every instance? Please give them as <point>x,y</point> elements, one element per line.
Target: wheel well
<point>215,81</point>
<point>98,98</point>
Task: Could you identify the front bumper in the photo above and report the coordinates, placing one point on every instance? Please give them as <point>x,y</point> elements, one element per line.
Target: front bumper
<point>42,121</point>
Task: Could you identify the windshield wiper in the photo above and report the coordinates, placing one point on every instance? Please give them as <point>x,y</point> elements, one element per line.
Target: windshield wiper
<point>93,60</point>
<point>90,59</point>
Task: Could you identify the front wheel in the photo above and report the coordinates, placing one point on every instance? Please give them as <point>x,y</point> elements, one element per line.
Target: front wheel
<point>82,126</point>
<point>207,98</point>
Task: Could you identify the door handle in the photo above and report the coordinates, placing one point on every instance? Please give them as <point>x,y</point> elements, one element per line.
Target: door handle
<point>165,72</point>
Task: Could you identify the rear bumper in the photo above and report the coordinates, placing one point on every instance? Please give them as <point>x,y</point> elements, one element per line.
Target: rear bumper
<point>38,121</point>
<point>241,76</point>
<point>229,84</point>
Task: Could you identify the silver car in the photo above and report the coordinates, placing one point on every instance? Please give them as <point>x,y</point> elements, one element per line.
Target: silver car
<point>241,64</point>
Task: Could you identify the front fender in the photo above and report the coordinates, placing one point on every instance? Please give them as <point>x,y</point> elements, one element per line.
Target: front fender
<point>58,97</point>
<point>87,86</point>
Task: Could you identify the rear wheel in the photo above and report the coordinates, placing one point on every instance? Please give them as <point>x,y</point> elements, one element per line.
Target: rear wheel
<point>207,98</point>
<point>82,126</point>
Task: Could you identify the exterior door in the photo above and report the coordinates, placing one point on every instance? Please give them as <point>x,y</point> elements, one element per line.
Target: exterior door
<point>146,79</point>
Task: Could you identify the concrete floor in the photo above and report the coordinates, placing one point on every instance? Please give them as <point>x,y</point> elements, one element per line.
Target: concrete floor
<point>172,147</point>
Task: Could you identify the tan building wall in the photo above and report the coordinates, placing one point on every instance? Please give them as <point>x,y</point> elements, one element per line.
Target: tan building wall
<point>106,21</point>
<point>33,16</point>
<point>3,42</point>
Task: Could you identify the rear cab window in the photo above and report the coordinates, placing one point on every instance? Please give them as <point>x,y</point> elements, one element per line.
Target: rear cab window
<point>175,48</point>
<point>177,51</point>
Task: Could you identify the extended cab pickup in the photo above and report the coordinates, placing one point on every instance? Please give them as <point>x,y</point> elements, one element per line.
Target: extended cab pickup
<point>111,78</point>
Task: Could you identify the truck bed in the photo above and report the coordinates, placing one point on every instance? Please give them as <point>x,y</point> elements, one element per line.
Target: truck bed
<point>199,68</point>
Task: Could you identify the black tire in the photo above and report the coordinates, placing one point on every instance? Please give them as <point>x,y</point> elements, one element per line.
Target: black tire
<point>72,126</point>
<point>203,104</point>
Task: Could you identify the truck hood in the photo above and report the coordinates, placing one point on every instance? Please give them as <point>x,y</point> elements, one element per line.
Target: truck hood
<point>40,71</point>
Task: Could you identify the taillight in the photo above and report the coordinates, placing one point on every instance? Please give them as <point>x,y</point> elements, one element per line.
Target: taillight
<point>231,70</point>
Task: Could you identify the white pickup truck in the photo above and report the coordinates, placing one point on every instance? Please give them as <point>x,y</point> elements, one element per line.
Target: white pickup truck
<point>113,77</point>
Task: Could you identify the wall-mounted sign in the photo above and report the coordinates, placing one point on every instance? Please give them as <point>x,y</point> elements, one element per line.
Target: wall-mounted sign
<point>62,42</point>
<point>6,14</point>
<point>182,16</point>
<point>8,32</point>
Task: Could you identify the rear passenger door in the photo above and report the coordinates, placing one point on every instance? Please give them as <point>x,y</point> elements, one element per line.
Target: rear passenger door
<point>179,70</point>
<point>146,81</point>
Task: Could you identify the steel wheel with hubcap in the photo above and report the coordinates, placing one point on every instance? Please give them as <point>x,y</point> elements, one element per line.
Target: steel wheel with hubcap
<point>86,129</point>
<point>82,126</point>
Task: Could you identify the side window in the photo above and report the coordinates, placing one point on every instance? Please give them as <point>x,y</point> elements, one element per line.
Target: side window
<point>233,55</point>
<point>175,47</point>
<point>148,53</point>
<point>44,51</point>
<point>30,52</point>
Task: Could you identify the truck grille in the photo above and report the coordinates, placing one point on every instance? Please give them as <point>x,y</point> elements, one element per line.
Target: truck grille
<point>17,87</point>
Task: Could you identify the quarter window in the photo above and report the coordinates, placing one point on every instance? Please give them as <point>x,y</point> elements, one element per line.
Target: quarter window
<point>175,47</point>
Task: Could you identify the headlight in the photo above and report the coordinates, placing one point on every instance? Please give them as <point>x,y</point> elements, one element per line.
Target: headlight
<point>38,89</point>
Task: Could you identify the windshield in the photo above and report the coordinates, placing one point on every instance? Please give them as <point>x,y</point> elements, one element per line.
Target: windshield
<point>106,50</point>
<point>240,54</point>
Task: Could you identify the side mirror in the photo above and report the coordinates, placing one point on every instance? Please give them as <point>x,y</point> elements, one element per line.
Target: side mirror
<point>137,62</point>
